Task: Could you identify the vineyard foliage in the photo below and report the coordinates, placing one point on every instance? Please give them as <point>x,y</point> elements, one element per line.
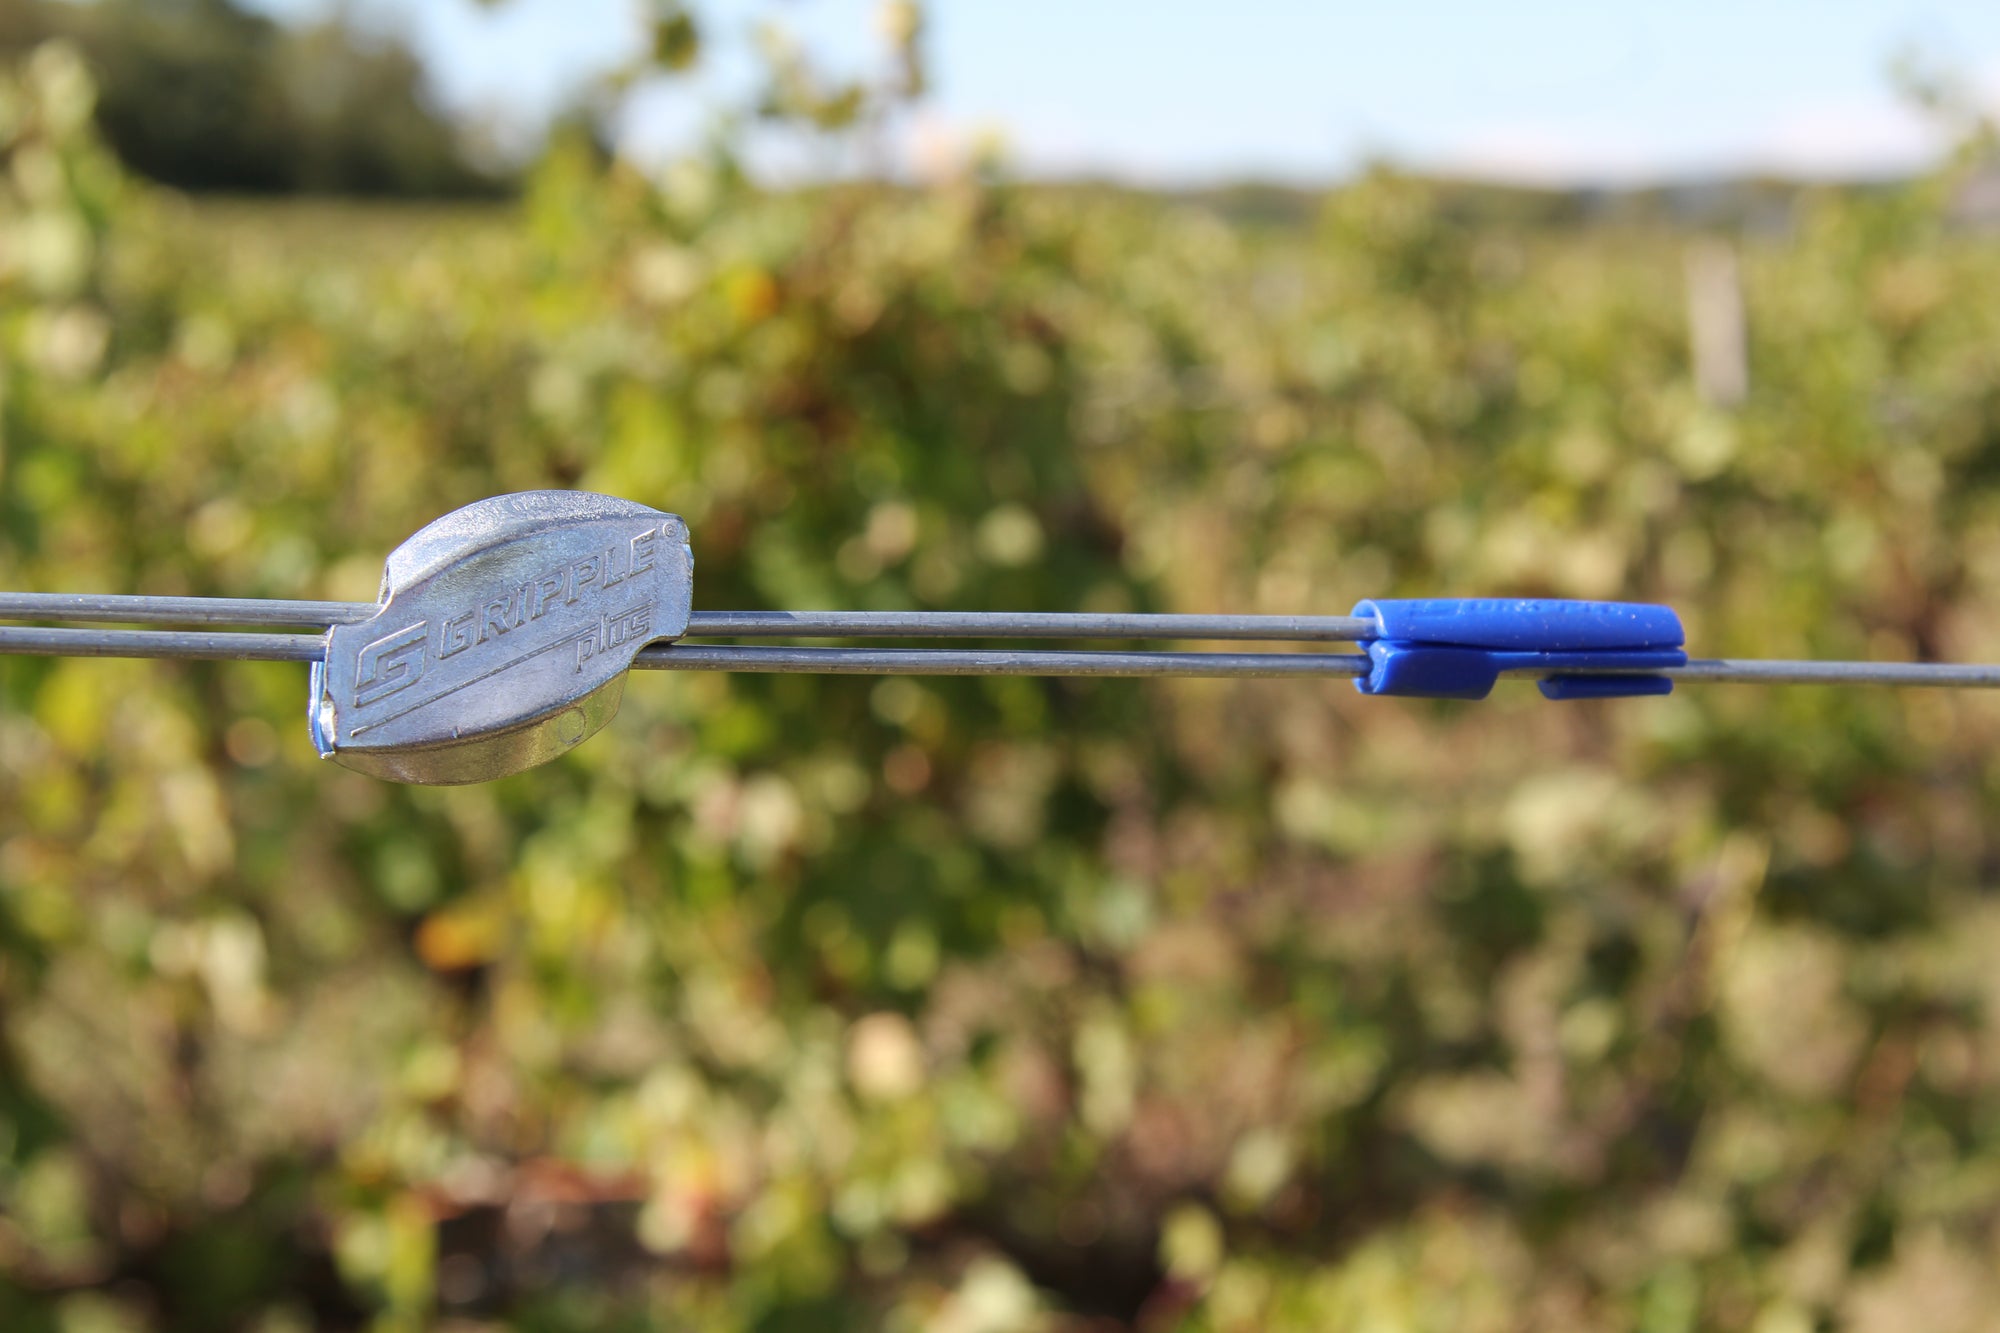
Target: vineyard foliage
<point>792,1002</point>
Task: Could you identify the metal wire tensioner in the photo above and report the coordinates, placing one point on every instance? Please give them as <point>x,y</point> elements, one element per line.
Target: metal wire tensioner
<point>504,630</point>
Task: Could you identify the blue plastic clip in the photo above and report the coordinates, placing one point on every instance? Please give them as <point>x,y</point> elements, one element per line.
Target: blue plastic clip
<point>1456,647</point>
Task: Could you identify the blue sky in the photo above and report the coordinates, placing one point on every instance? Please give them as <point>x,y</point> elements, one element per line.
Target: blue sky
<point>1195,91</point>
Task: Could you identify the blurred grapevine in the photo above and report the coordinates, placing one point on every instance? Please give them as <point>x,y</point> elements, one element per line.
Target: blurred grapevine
<point>1009,1004</point>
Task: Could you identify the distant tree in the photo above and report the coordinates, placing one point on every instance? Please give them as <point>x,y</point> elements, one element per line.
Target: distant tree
<point>203,95</point>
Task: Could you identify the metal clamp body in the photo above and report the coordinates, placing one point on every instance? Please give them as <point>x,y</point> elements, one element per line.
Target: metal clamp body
<point>504,635</point>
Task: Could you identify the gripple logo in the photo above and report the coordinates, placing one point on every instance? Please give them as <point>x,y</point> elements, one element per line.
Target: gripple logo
<point>391,663</point>
<point>399,660</point>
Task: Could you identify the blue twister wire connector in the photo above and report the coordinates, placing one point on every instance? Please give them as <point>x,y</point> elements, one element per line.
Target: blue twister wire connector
<point>1456,647</point>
